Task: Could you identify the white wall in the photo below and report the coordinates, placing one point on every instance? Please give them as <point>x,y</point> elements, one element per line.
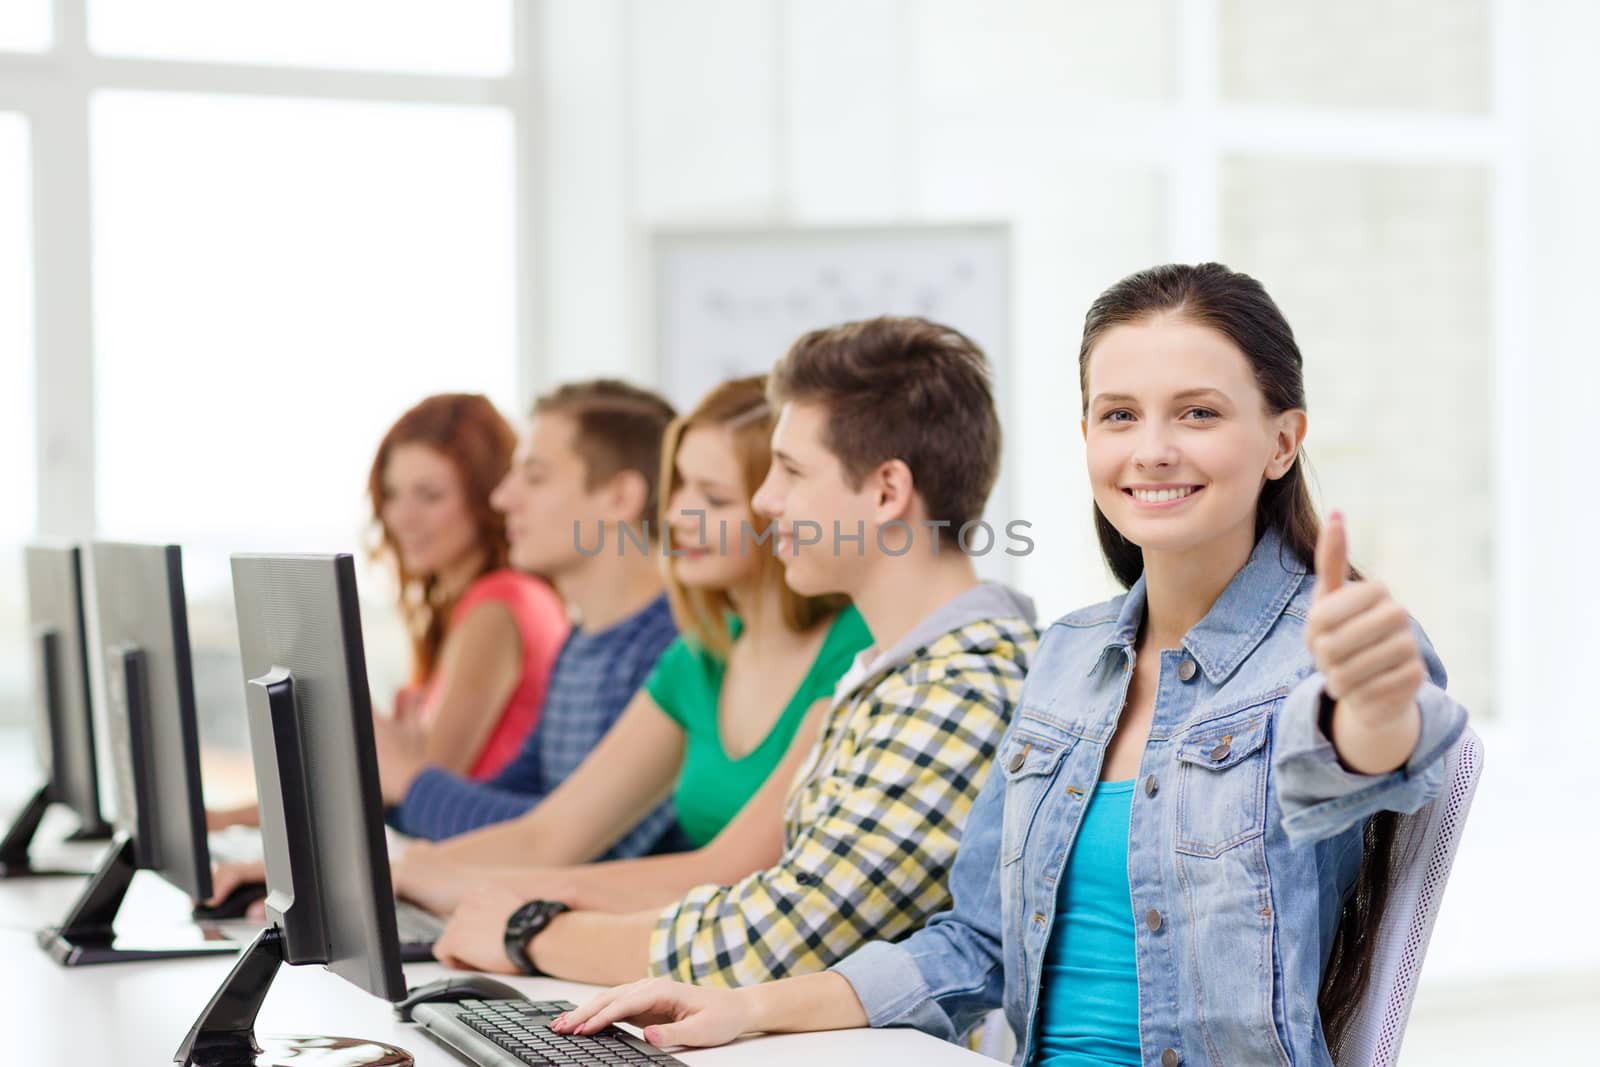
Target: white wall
<point>873,111</point>
<point>843,112</point>
<point>1534,843</point>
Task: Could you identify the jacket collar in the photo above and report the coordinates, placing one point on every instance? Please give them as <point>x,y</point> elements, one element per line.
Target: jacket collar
<point>1237,622</point>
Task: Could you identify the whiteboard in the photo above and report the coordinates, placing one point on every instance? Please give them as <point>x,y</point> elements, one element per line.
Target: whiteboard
<point>728,303</point>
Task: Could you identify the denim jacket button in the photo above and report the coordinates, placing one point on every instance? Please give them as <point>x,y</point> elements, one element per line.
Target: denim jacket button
<point>1223,748</point>
<point>1150,786</point>
<point>1169,1057</point>
<point>1186,670</point>
<point>1017,760</point>
<point>1152,919</point>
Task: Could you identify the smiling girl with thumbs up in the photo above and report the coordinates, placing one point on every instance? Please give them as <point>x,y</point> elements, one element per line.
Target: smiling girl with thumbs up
<point>1185,846</point>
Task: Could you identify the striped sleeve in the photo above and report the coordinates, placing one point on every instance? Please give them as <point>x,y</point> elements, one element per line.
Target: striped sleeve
<point>440,805</point>
<point>871,859</point>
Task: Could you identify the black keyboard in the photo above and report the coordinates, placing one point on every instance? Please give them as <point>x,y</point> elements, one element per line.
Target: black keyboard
<point>418,931</point>
<point>416,924</point>
<point>520,1028</point>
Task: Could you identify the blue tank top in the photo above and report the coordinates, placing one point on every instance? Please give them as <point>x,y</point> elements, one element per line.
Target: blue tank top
<point>1089,995</point>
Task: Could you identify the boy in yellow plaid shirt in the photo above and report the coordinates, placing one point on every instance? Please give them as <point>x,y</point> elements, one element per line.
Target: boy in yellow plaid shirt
<point>884,454</point>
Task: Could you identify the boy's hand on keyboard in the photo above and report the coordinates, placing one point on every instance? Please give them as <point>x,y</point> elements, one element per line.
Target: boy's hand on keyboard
<point>222,818</point>
<point>475,938</point>
<point>671,1013</point>
<point>399,746</point>
<point>426,879</point>
<point>226,877</point>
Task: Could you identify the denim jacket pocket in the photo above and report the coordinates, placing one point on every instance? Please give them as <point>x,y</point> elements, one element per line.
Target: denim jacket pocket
<point>1029,760</point>
<point>1222,784</point>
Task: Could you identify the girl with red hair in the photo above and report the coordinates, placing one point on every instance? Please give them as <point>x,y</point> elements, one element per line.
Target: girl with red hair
<point>483,636</point>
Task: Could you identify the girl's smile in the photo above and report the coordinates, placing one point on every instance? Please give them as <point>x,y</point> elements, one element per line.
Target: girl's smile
<point>1162,497</point>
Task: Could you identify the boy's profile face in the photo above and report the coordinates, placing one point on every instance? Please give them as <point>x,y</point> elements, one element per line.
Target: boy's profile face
<point>807,497</point>
<point>543,494</point>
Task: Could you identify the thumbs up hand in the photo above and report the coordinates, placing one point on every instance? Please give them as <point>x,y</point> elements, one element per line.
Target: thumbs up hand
<point>1361,640</point>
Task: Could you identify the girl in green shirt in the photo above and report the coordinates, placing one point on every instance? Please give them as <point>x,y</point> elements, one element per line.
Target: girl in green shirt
<point>731,707</point>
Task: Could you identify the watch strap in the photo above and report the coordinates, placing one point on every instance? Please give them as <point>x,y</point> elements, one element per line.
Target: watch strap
<point>526,923</point>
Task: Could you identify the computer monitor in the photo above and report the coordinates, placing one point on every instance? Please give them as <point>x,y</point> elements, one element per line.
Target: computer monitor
<point>141,630</point>
<point>329,895</point>
<point>63,723</point>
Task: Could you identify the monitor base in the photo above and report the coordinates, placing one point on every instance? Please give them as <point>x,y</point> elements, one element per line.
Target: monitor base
<point>169,944</point>
<point>224,1035</point>
<point>88,934</point>
<point>100,832</point>
<point>300,1051</point>
<point>14,862</point>
<point>10,871</point>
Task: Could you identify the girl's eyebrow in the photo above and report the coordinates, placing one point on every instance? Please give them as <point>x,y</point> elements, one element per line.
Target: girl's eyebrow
<point>1187,394</point>
<point>1195,394</point>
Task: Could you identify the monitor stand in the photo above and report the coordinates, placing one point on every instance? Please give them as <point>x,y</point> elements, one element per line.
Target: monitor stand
<point>87,937</point>
<point>224,1035</point>
<point>91,832</point>
<point>14,860</point>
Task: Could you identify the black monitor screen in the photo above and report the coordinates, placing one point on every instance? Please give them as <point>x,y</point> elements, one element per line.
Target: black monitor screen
<point>64,730</point>
<point>316,771</point>
<point>142,638</point>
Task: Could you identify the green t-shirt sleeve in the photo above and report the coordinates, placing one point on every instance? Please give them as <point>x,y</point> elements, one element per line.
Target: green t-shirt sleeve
<point>672,678</point>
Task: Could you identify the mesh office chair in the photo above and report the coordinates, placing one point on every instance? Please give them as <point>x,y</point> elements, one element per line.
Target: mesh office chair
<point>1432,835</point>
<point>1429,837</point>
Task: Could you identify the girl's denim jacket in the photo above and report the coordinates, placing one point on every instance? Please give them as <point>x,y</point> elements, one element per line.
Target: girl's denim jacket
<point>1245,834</point>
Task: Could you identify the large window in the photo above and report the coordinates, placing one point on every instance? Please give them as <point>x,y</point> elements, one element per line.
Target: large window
<point>1383,270</point>
<point>1428,55</point>
<point>421,36</point>
<point>16,402</point>
<point>291,222</point>
<point>24,25</point>
<point>1375,234</point>
<point>276,281</point>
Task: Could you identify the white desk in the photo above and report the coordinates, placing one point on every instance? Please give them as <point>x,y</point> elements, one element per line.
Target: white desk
<point>138,1013</point>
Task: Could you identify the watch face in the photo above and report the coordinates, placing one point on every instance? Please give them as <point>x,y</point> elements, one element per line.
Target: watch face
<point>519,929</point>
<point>524,925</point>
<point>536,914</point>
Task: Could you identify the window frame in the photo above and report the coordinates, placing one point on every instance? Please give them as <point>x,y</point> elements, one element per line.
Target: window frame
<point>53,90</point>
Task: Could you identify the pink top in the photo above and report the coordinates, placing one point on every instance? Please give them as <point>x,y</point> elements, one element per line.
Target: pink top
<point>541,621</point>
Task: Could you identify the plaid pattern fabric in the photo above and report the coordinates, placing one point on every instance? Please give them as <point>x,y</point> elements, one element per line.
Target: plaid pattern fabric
<point>591,683</point>
<point>873,820</point>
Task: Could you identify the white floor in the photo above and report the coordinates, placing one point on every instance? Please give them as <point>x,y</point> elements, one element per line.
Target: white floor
<point>1547,1020</point>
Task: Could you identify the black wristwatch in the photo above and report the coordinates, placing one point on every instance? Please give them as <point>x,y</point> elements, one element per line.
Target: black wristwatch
<point>524,925</point>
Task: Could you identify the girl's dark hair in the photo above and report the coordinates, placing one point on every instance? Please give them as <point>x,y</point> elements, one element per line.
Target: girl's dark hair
<point>1236,306</point>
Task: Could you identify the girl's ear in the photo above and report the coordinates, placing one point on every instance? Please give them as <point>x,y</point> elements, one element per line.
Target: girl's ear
<point>1291,434</point>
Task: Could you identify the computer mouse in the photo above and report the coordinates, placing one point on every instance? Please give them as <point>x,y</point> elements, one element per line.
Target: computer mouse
<point>454,991</point>
<point>234,905</point>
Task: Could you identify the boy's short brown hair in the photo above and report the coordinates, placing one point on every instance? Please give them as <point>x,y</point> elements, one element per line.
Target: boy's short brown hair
<point>619,428</point>
<point>907,389</point>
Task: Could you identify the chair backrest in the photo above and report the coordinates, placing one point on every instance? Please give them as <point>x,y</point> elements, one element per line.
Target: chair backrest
<point>1429,838</point>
